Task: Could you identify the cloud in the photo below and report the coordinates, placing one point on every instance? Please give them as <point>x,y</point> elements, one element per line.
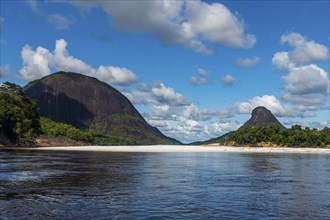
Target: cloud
<point>307,80</point>
<point>167,95</point>
<point>217,24</point>
<point>271,103</point>
<point>198,81</point>
<point>60,22</point>
<point>4,71</point>
<point>228,80</point>
<point>41,62</point>
<point>306,101</point>
<point>306,85</point>
<point>193,24</point>
<point>176,116</point>
<point>190,130</point>
<point>36,63</point>
<point>281,61</point>
<point>247,62</point>
<point>193,112</point>
<point>205,77</point>
<point>304,51</point>
<point>157,94</point>
<point>203,72</point>
<point>33,4</point>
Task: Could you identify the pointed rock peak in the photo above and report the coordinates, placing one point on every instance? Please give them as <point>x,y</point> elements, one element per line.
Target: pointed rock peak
<point>262,117</point>
<point>261,110</point>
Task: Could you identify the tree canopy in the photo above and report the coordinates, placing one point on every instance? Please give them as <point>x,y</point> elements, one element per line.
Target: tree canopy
<point>296,136</point>
<point>19,121</point>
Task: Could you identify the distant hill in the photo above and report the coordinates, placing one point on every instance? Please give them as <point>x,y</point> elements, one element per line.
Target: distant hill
<point>264,130</point>
<point>262,117</point>
<point>90,104</point>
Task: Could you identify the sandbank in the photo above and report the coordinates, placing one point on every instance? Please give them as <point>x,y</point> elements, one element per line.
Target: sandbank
<point>180,148</point>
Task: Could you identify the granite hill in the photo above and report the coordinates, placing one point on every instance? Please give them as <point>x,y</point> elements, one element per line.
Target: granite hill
<point>89,104</point>
<point>262,117</point>
<point>261,120</point>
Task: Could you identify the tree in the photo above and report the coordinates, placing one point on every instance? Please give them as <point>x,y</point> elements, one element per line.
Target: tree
<point>19,121</point>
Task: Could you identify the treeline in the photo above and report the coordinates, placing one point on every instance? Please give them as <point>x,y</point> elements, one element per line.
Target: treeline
<point>296,136</point>
<point>19,121</point>
<point>57,129</point>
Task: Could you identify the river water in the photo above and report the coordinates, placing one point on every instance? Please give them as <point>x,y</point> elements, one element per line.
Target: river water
<point>72,185</point>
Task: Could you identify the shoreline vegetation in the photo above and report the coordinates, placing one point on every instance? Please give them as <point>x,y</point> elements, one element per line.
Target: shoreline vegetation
<point>176,149</point>
<point>272,136</point>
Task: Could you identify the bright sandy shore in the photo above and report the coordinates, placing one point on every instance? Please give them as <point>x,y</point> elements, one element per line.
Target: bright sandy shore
<point>178,148</point>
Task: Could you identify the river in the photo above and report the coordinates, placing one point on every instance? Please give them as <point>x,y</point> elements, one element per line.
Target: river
<point>86,185</point>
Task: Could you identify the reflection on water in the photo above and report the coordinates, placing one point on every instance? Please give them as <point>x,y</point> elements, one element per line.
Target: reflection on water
<point>61,185</point>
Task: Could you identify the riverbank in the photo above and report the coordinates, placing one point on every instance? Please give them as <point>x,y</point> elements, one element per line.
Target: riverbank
<point>178,148</point>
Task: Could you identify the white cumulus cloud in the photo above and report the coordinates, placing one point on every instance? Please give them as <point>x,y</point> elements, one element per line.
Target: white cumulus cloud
<point>195,113</point>
<point>193,24</point>
<point>281,61</point>
<point>306,85</point>
<point>304,51</point>
<point>268,101</point>
<point>36,63</point>
<point>40,62</point>
<point>167,95</point>
<point>307,80</point>
<point>203,79</point>
<point>176,116</point>
<point>156,94</point>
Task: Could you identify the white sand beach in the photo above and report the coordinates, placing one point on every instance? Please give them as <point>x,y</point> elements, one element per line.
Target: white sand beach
<point>182,148</point>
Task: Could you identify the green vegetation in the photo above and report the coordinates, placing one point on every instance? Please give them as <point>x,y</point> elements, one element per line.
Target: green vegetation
<point>126,135</point>
<point>122,132</point>
<point>56,129</point>
<point>295,136</point>
<point>124,117</point>
<point>19,121</point>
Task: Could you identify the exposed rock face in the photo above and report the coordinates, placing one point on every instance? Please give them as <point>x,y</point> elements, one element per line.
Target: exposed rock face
<point>88,103</point>
<point>262,117</point>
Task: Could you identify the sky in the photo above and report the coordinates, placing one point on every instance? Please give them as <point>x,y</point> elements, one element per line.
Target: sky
<point>193,69</point>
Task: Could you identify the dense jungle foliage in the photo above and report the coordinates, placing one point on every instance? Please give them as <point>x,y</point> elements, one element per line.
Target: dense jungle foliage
<point>19,121</point>
<point>296,136</point>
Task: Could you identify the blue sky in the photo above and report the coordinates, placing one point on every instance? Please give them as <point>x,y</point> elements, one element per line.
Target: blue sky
<point>194,69</point>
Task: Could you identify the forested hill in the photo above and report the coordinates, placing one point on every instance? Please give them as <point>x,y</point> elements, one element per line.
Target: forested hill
<point>263,129</point>
<point>272,136</point>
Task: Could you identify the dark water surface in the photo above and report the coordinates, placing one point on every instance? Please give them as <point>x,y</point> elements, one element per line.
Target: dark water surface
<point>64,185</point>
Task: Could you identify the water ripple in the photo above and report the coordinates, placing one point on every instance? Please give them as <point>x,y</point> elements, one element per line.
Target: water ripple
<point>49,185</point>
